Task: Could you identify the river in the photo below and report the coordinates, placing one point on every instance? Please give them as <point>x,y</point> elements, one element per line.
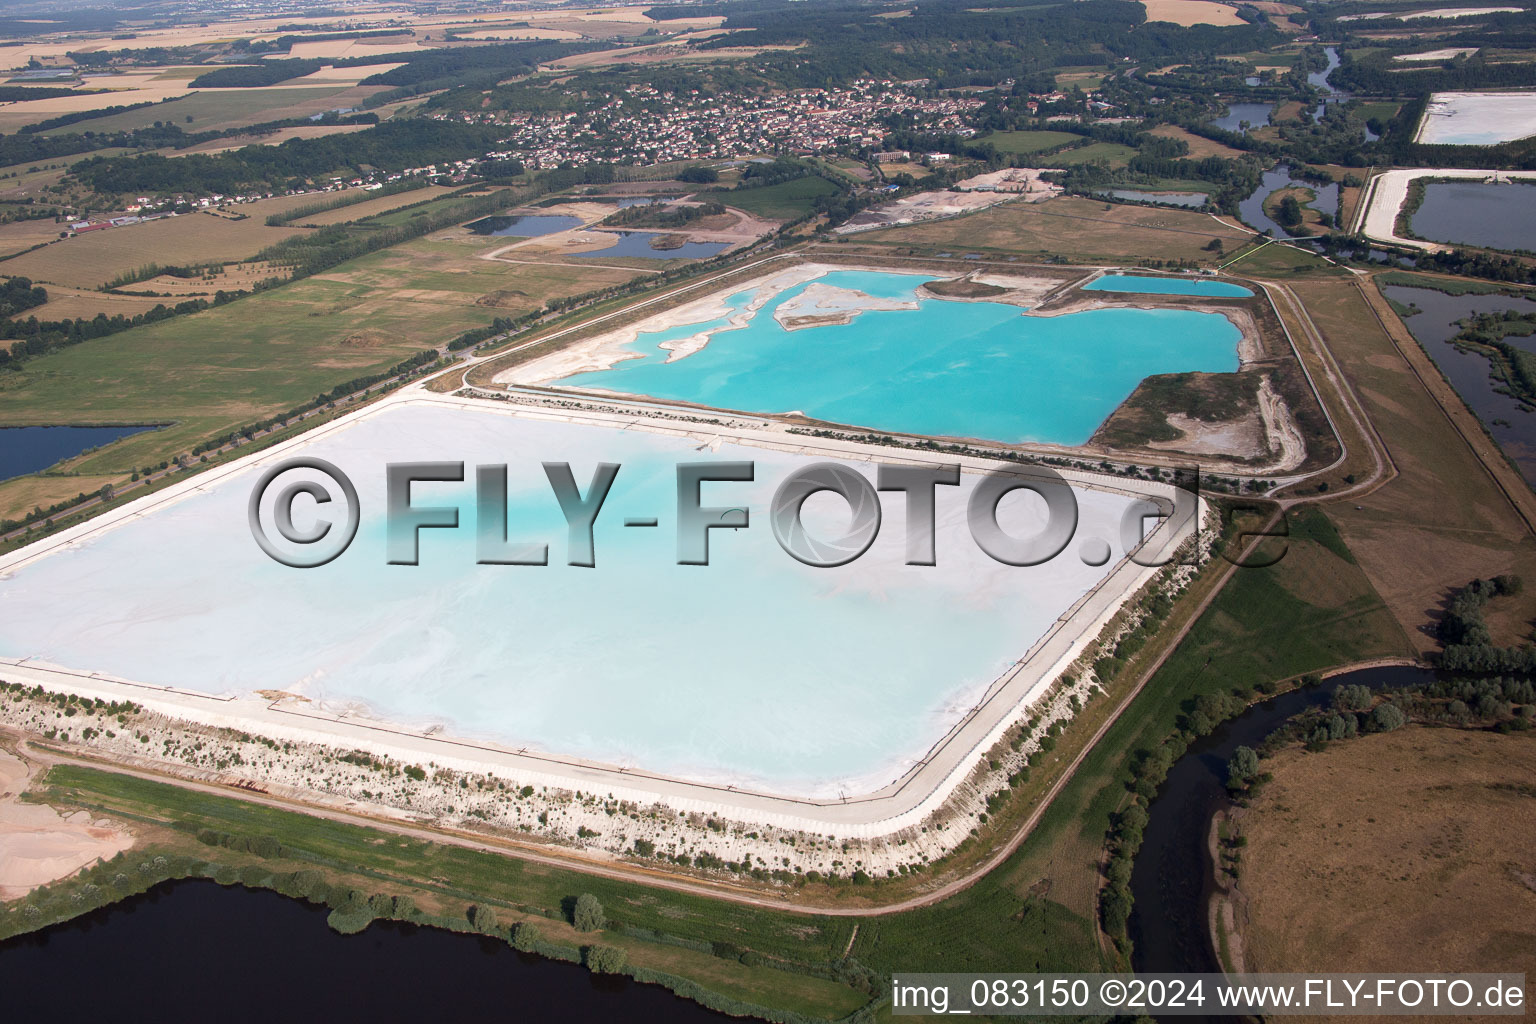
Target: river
<point>1171,880</point>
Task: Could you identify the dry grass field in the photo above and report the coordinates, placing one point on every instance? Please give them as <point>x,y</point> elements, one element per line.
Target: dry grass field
<point>444,269</point>
<point>70,303</point>
<point>24,234</point>
<point>25,493</point>
<point>1407,851</point>
<point>1069,226</point>
<point>96,257</point>
<point>1191,12</point>
<point>1442,519</point>
<point>1199,146</point>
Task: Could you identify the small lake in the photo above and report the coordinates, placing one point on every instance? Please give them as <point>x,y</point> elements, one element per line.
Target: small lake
<point>1166,286</point>
<point>1192,200</point>
<point>958,369</point>
<point>1469,372</point>
<point>1251,210</point>
<point>523,227</point>
<point>26,450</point>
<point>1474,213</point>
<point>1171,879</point>
<point>278,954</point>
<point>1256,114</point>
<point>641,243</point>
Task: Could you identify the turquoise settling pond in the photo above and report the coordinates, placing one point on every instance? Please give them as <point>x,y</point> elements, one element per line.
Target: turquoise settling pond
<point>945,368</point>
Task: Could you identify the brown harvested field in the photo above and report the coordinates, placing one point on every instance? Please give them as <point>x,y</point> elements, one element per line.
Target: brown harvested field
<point>659,53</point>
<point>1442,519</point>
<point>237,277</point>
<point>1069,226</point>
<point>1412,850</point>
<point>905,167</point>
<point>1290,110</point>
<point>24,234</point>
<point>72,303</point>
<point>1198,147</point>
<point>336,49</point>
<point>96,257</point>
<point>383,204</point>
<point>1191,12</point>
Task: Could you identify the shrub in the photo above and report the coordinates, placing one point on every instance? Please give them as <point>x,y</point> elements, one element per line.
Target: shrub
<point>588,916</point>
<point>1242,768</point>
<point>603,959</point>
<point>1386,718</point>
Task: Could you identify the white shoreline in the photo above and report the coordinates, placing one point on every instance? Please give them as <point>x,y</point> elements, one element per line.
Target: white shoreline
<point>1387,192</point>
<point>902,803</point>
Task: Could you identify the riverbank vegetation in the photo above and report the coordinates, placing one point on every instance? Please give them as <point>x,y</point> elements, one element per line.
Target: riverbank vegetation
<point>1384,810</point>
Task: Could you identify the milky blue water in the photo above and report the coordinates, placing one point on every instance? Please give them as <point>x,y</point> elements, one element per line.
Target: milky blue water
<point>960,369</point>
<point>754,668</point>
<point>1166,286</point>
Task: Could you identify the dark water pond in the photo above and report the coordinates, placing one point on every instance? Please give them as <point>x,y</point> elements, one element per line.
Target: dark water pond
<point>26,450</point>
<point>638,243</point>
<point>1472,213</point>
<point>1171,880</point>
<point>198,949</point>
<point>1511,426</point>
<point>1256,114</point>
<point>1192,200</point>
<point>1251,210</point>
<point>523,227</point>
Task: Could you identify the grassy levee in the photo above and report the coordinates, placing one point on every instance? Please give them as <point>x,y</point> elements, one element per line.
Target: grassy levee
<point>446,879</point>
<point>1442,519</point>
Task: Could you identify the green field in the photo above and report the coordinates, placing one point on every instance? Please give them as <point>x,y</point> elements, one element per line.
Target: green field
<point>207,110</point>
<point>788,200</point>
<point>1028,142</point>
<point>1112,153</point>
<point>220,369</point>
